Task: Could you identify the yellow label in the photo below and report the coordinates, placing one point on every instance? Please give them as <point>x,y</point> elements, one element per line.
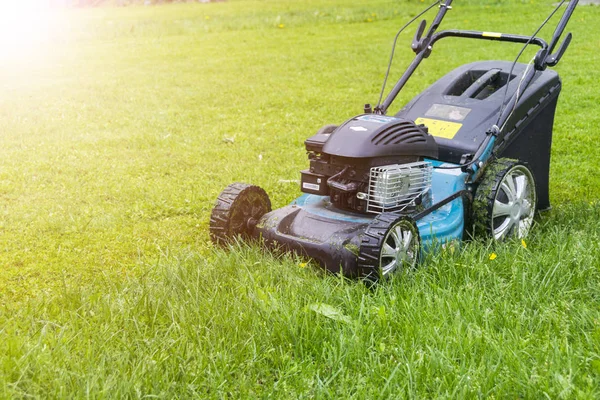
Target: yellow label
<point>440,128</point>
<point>491,34</point>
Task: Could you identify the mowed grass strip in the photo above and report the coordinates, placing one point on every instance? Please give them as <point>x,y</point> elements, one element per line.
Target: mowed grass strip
<point>119,133</point>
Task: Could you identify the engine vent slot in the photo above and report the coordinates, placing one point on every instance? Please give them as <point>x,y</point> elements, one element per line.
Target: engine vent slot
<point>406,133</point>
<point>396,187</point>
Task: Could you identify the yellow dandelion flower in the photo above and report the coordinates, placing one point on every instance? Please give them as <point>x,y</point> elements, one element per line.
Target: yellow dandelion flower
<point>493,256</point>
<point>281,26</point>
<point>302,265</point>
<point>523,244</point>
<point>369,20</point>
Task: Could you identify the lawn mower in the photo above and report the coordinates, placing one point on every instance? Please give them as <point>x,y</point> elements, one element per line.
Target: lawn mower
<point>469,155</point>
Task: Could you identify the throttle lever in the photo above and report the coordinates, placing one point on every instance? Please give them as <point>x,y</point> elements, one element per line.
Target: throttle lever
<point>416,43</point>
<point>553,59</point>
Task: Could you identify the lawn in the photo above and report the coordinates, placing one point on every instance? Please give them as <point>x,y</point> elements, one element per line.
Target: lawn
<point>120,126</point>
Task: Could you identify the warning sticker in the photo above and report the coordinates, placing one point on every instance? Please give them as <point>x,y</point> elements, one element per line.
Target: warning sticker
<point>446,111</point>
<point>443,129</point>
<point>310,186</point>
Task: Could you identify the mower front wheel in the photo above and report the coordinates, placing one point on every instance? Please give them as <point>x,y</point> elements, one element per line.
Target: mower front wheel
<point>237,211</point>
<point>390,243</point>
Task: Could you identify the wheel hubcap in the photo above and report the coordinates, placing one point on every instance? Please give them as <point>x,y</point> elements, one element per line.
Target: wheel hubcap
<point>398,248</point>
<point>514,206</point>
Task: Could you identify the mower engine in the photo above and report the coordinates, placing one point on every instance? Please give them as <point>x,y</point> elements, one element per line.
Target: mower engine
<point>371,164</point>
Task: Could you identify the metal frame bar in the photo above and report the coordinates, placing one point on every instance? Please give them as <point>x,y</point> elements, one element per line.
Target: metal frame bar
<point>426,51</point>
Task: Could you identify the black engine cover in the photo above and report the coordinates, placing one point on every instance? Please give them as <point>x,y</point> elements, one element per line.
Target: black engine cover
<point>340,161</point>
<point>371,136</point>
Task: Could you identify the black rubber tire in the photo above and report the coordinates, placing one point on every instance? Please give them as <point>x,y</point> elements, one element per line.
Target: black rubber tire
<point>236,212</point>
<point>376,235</point>
<point>489,190</point>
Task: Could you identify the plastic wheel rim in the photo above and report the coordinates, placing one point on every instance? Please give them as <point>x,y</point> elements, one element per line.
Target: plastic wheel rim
<point>251,208</point>
<point>514,204</point>
<point>399,248</point>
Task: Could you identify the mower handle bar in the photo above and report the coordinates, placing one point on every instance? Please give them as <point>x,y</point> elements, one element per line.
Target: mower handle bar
<point>549,58</point>
<point>495,36</point>
<point>423,46</point>
<point>562,24</point>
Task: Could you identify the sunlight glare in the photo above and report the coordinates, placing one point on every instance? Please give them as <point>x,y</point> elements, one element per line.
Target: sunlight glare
<point>25,28</point>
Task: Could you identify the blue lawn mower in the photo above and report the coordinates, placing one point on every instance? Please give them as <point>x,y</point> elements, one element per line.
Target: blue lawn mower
<point>468,156</point>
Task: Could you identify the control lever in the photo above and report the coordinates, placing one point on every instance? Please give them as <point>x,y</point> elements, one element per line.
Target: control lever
<point>416,43</point>
<point>553,59</point>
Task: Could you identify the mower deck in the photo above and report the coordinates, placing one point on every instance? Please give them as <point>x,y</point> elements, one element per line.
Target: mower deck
<point>312,226</point>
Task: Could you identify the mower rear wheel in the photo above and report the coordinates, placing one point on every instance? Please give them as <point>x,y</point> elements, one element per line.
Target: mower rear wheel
<point>505,201</point>
<point>237,211</point>
<point>390,243</point>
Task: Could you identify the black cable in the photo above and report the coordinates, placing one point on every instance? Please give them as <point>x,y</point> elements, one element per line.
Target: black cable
<point>394,47</point>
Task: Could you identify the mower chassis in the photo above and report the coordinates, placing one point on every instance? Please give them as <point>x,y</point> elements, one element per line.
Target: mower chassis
<point>313,227</point>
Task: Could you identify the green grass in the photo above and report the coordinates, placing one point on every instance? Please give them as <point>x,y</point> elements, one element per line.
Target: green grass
<point>116,139</point>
